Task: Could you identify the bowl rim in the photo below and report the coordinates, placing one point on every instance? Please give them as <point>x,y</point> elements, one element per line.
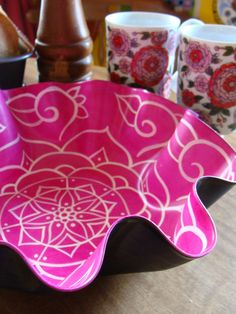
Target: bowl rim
<point>19,57</point>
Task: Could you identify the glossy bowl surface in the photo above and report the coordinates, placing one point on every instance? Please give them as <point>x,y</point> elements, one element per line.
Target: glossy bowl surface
<point>77,160</point>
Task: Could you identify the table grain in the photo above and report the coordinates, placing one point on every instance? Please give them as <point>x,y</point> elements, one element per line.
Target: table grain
<point>206,285</point>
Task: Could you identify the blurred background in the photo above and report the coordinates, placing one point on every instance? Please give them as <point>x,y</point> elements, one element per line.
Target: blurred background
<point>25,14</point>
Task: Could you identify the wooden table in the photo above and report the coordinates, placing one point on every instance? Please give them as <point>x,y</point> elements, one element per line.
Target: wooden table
<point>207,285</point>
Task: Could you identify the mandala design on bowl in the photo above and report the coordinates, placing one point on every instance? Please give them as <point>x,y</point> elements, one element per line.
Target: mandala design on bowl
<point>69,177</point>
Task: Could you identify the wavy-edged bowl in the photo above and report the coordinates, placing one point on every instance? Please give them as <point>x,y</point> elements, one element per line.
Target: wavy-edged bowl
<point>101,178</point>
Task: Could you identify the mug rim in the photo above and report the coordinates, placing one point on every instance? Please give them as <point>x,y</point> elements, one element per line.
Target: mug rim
<point>184,33</point>
<point>173,21</point>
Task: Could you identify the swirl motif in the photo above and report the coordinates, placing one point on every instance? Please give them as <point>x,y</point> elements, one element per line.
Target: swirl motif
<point>43,108</point>
<point>134,112</point>
<point>63,191</point>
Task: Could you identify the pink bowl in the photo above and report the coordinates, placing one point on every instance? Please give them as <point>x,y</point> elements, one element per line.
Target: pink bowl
<point>87,168</point>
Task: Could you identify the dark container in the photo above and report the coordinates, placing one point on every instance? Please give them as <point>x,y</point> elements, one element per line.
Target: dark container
<point>12,70</point>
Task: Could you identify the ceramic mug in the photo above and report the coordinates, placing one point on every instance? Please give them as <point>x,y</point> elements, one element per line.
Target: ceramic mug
<point>207,73</point>
<point>141,49</point>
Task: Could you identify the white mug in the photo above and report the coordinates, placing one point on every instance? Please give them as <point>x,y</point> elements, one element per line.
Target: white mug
<point>207,74</point>
<point>141,49</point>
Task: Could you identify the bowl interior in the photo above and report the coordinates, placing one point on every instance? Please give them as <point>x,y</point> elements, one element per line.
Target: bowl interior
<point>75,159</point>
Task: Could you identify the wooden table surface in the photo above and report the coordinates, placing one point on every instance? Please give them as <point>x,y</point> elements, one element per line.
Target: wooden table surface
<point>207,285</point>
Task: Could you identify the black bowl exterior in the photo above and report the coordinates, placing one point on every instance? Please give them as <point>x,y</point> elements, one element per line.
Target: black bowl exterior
<point>124,254</point>
<point>133,245</point>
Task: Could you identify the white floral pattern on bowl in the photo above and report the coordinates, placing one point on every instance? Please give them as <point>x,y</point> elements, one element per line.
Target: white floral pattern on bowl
<point>78,159</point>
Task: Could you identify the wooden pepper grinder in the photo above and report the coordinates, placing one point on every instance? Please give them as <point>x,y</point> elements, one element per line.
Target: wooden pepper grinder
<point>63,44</point>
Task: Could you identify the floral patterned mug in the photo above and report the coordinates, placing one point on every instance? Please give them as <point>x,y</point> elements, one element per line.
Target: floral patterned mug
<point>141,49</point>
<point>207,73</point>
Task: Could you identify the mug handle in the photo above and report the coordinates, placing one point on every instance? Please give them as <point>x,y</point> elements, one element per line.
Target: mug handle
<point>191,21</point>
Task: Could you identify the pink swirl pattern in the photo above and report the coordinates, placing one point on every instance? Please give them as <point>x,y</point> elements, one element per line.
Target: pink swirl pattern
<point>76,159</point>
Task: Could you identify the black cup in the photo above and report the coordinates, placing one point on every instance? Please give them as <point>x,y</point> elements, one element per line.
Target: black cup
<point>12,70</point>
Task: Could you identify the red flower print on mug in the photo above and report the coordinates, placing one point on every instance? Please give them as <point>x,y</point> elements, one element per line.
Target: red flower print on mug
<point>201,83</point>
<point>149,65</point>
<point>159,38</point>
<point>119,42</point>
<point>188,98</point>
<point>115,77</point>
<point>124,65</point>
<point>197,57</point>
<point>222,86</point>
